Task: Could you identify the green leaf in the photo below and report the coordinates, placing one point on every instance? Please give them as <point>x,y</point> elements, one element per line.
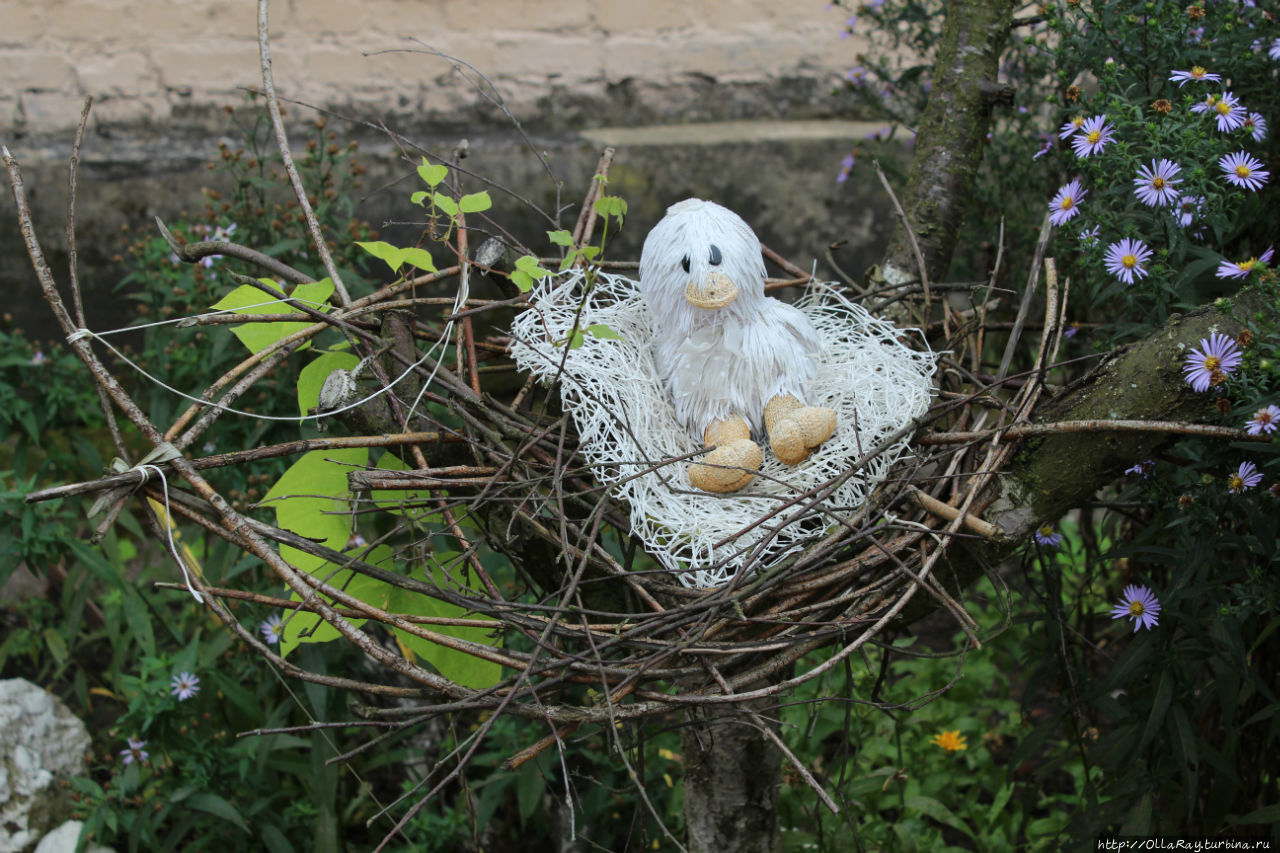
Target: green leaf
<point>448,205</point>
<point>312,377</point>
<point>576,339</point>
<point>529,264</point>
<point>522,280</point>
<point>998,804</point>
<point>248,299</point>
<point>459,667</point>
<point>938,812</point>
<point>312,500</point>
<point>1266,814</point>
<point>600,330</point>
<point>432,175</point>
<point>315,293</point>
<point>530,786</point>
<point>273,839</point>
<point>611,205</point>
<point>302,626</point>
<point>419,258</point>
<point>1159,707</point>
<point>383,251</point>
<point>418,197</point>
<point>561,238</point>
<point>311,497</point>
<point>55,644</point>
<point>475,202</point>
<point>216,806</point>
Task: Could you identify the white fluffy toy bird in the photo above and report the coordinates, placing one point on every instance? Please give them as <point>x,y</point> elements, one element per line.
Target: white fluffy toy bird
<point>734,361</point>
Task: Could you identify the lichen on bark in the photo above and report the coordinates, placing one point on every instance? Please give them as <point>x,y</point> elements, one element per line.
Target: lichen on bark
<point>950,137</point>
<point>1141,381</point>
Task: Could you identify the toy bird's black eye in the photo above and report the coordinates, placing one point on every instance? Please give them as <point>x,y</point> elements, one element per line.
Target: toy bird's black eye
<point>684,263</point>
<point>716,257</point>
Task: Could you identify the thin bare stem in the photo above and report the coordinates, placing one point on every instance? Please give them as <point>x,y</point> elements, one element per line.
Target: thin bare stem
<point>282,142</point>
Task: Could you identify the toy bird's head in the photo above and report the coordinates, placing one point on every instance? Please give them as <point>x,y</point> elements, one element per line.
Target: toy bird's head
<point>699,260</point>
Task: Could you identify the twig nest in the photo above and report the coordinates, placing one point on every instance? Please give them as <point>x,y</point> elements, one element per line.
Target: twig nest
<point>627,425</point>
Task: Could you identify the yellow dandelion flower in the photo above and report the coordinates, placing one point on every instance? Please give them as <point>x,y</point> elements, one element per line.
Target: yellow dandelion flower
<point>950,741</point>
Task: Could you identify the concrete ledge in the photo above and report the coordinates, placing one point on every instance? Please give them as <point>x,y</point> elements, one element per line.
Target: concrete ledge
<point>731,132</point>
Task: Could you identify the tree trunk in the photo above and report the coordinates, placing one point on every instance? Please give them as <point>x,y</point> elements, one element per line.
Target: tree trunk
<point>731,776</point>
<point>950,138</point>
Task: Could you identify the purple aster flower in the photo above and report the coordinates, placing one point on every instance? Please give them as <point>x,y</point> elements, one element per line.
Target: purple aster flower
<point>1230,114</point>
<point>1217,357</point>
<point>1274,52</point>
<point>272,629</point>
<point>1155,186</point>
<point>846,166</point>
<point>1209,102</point>
<point>135,752</point>
<point>1072,125</point>
<point>1125,259</point>
<point>857,74</point>
<point>1047,537</point>
<point>1188,206</point>
<point>1139,604</point>
<point>1089,236</point>
<point>1256,126</point>
<point>1143,469</point>
<point>1196,74</point>
<point>1095,133</point>
<point>1245,477</point>
<point>1066,203</point>
<point>184,686</point>
<point>848,27</point>
<point>1243,170</point>
<point>1046,145</point>
<point>1264,421</point>
<point>1242,269</point>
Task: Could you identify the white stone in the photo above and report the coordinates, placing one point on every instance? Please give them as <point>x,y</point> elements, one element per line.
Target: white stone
<point>64,838</point>
<point>41,743</point>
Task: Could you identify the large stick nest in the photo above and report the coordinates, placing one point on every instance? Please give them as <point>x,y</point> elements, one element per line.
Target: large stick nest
<point>586,606</point>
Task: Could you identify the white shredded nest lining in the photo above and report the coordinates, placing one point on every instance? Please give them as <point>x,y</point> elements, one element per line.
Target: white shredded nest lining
<point>627,427</point>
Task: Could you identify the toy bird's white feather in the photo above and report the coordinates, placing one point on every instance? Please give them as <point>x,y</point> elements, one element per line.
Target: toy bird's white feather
<point>720,362</point>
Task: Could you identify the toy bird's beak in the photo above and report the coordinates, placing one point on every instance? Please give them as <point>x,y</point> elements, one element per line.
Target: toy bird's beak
<point>715,291</point>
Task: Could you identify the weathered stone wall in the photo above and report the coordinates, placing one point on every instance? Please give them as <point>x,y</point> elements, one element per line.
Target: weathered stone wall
<point>727,99</point>
<point>170,64</point>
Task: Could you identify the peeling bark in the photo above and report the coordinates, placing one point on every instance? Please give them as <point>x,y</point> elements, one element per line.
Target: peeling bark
<point>731,777</point>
